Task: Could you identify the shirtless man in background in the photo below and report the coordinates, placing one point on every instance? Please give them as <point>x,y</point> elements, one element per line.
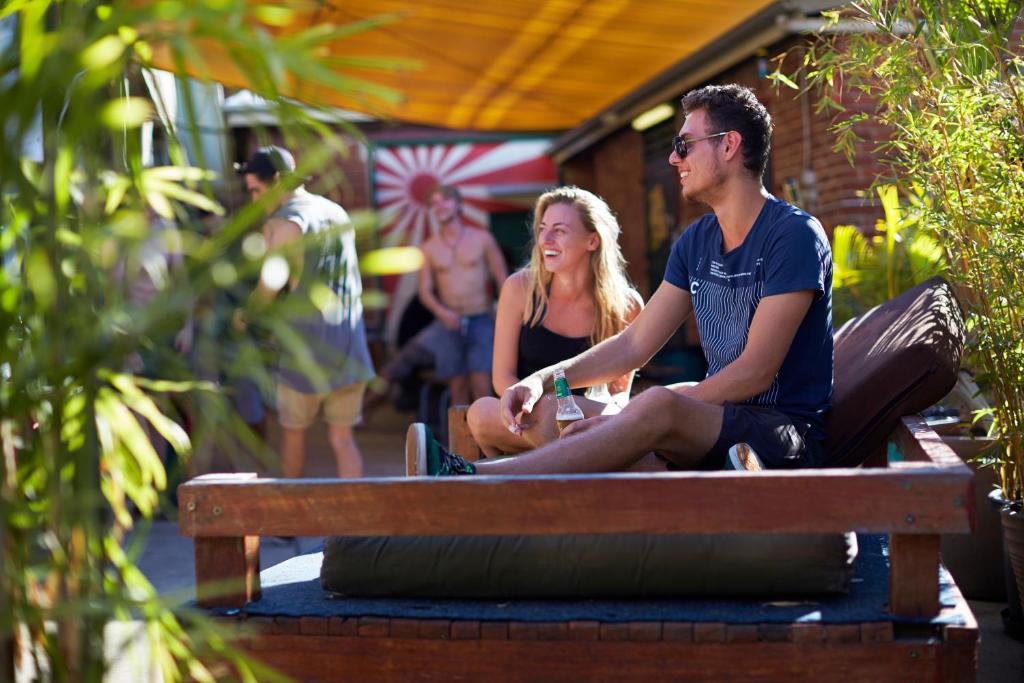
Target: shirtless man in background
<point>453,285</point>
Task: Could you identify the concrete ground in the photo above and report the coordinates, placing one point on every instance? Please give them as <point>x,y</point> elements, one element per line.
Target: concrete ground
<point>168,559</point>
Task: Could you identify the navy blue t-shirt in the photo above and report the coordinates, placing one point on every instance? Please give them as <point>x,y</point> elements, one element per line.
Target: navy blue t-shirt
<point>786,250</point>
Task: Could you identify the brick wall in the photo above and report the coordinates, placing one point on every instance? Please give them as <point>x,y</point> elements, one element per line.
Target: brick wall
<point>613,169</point>
<point>804,168</point>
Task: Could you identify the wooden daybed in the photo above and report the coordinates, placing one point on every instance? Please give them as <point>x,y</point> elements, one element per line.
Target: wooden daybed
<point>918,628</point>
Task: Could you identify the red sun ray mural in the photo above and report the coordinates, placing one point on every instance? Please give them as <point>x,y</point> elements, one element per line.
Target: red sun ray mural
<point>492,177</point>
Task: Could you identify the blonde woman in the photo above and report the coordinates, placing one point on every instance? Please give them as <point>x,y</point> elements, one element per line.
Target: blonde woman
<point>572,294</point>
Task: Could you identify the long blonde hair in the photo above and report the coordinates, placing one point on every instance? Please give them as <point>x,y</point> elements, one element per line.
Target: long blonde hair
<point>612,292</point>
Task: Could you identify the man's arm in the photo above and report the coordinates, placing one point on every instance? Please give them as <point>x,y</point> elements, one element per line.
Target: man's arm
<point>283,238</point>
<point>612,358</point>
<point>449,318</point>
<point>772,330</point>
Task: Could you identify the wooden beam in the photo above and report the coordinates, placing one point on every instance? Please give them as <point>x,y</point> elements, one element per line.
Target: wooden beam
<point>227,571</point>
<point>228,566</point>
<point>914,575</point>
<point>320,658</point>
<point>907,501</point>
<point>460,439</point>
<point>921,445</point>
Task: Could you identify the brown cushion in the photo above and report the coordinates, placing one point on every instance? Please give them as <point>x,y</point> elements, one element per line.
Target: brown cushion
<point>897,359</point>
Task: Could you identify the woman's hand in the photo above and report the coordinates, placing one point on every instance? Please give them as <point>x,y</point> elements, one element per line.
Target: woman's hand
<point>517,403</point>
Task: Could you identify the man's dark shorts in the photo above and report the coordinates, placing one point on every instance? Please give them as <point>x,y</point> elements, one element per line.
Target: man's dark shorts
<point>781,441</point>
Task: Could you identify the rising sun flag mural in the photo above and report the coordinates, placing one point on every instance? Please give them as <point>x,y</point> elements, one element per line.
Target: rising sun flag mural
<point>493,177</point>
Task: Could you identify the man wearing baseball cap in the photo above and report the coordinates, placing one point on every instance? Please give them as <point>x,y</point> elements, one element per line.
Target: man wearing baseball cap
<point>317,242</point>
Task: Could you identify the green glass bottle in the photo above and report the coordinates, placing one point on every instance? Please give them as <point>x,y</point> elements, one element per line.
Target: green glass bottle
<point>567,411</point>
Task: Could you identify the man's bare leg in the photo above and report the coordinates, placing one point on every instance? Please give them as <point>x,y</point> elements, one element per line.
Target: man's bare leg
<point>458,389</point>
<point>494,438</point>
<point>346,452</point>
<point>293,452</point>
<point>659,419</point>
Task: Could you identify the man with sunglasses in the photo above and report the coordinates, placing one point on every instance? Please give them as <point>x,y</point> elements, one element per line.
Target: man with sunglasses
<point>316,239</point>
<point>757,275</point>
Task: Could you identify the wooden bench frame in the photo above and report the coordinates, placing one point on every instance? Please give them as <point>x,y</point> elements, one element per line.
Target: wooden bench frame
<point>913,501</point>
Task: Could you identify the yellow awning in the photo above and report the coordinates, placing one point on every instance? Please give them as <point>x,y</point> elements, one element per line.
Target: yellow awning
<point>512,65</point>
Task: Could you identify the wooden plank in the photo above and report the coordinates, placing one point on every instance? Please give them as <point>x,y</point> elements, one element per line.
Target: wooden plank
<point>405,628</point>
<point>313,659</point>
<point>645,630</point>
<point>553,630</point>
<point>613,631</point>
<point>494,630</point>
<point>876,631</point>
<point>914,575</point>
<point>960,654</point>
<point>463,630</point>
<point>227,570</point>
<point>842,633</point>
<point>924,500</point>
<point>436,629</point>
<point>709,632</point>
<point>342,626</point>
<point>677,631</point>
<point>460,439</point>
<point>920,444</point>
<point>373,627</point>
<point>584,629</point>
<point>314,626</point>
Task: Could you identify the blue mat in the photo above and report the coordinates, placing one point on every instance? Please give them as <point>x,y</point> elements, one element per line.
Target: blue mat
<point>292,588</point>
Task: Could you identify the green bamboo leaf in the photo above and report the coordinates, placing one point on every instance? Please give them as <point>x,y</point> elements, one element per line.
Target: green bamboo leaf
<point>179,174</point>
<point>127,429</point>
<point>153,187</point>
<point>116,192</point>
<point>274,15</point>
<point>391,261</point>
<point>782,78</point>
<point>102,53</point>
<point>40,278</point>
<point>126,112</point>
<point>137,400</point>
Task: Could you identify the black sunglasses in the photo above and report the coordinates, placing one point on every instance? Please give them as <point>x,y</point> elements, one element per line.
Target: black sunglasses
<point>679,144</point>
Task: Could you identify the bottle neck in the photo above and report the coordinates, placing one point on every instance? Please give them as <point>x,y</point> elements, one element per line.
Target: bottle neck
<point>561,387</point>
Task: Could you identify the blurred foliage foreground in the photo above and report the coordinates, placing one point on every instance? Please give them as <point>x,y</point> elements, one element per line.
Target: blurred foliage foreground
<point>77,418</point>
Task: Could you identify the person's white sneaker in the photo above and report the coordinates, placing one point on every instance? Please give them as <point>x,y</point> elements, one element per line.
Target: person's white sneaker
<point>743,458</point>
<point>416,450</point>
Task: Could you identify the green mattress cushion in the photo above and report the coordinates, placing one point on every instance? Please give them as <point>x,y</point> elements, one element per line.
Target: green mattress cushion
<point>589,565</point>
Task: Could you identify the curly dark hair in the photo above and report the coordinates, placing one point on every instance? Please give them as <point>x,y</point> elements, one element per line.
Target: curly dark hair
<point>735,107</point>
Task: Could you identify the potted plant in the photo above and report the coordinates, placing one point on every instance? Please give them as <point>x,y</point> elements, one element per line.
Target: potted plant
<point>77,470</point>
<point>940,77</point>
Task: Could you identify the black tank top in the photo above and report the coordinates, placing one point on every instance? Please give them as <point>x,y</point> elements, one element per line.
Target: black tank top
<point>539,347</point>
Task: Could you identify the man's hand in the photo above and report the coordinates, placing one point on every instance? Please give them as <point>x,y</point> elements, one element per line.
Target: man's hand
<point>451,320</point>
<point>580,426</point>
<point>517,403</point>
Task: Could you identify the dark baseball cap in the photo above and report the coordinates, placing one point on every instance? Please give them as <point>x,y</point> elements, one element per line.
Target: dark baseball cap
<point>267,161</point>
